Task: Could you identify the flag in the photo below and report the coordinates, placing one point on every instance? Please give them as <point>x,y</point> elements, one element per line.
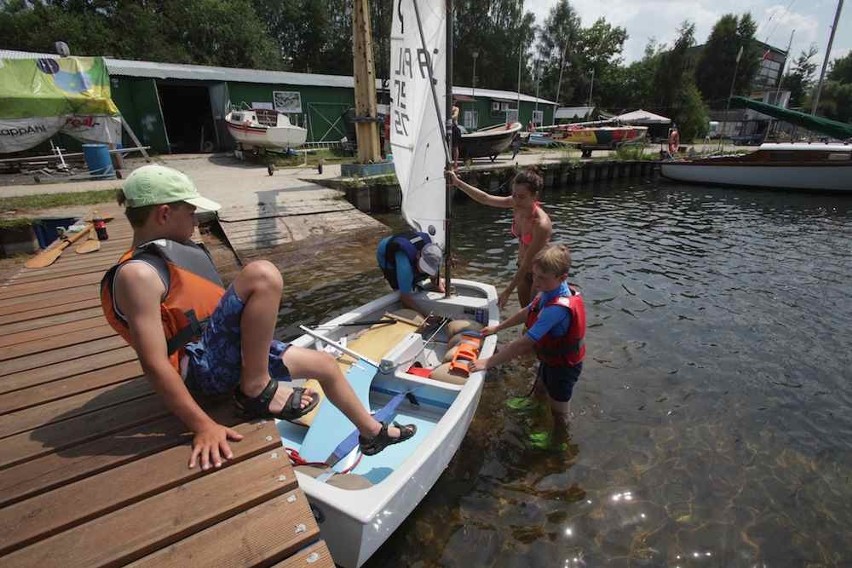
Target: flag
<point>739,54</point>
<point>766,54</point>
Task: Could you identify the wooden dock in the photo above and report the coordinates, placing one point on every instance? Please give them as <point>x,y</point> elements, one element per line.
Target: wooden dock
<point>93,467</point>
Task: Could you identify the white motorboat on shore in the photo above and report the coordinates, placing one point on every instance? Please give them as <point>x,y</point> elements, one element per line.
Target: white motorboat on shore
<point>817,166</point>
<point>264,128</point>
<point>396,364</point>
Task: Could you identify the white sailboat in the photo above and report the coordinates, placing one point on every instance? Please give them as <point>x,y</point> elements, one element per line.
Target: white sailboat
<point>360,501</point>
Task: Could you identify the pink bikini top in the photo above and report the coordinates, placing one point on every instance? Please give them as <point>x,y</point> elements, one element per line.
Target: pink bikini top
<point>525,238</point>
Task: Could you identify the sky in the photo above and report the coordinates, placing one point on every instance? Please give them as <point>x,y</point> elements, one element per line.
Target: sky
<point>660,19</point>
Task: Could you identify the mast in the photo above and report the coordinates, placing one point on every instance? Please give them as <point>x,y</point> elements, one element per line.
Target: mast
<point>449,136</point>
<point>827,55</point>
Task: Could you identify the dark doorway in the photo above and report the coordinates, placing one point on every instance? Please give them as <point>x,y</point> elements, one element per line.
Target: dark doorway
<point>188,118</point>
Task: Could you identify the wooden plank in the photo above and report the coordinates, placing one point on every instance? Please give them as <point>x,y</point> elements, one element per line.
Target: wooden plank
<point>55,390</point>
<point>74,431</point>
<point>47,299</point>
<point>50,321</point>
<point>36,313</point>
<point>60,355</point>
<point>57,468</point>
<point>51,285</point>
<point>76,503</point>
<point>140,529</point>
<point>92,363</point>
<point>245,539</point>
<point>49,342</point>
<point>41,415</point>
<point>52,332</point>
<point>316,555</point>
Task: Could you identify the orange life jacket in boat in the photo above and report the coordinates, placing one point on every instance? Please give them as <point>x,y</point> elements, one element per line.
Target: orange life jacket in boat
<point>193,290</point>
<point>566,350</point>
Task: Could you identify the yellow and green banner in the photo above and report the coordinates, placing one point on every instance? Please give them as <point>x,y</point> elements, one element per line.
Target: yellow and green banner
<point>40,97</point>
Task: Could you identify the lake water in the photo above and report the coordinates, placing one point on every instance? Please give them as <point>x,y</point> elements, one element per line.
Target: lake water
<point>711,425</point>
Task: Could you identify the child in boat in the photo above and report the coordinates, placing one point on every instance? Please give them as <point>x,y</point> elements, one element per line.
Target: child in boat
<point>192,335</point>
<point>406,260</point>
<point>556,327</point>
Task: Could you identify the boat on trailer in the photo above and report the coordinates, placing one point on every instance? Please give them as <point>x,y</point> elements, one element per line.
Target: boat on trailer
<point>264,128</point>
<point>359,501</point>
<point>488,142</point>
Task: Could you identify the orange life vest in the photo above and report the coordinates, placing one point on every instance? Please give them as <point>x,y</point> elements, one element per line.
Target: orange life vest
<point>565,350</point>
<point>193,291</point>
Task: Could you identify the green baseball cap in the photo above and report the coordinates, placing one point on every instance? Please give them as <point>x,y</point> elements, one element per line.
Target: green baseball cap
<point>155,184</point>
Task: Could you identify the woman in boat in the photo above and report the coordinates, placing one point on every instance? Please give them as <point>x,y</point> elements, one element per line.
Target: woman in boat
<point>530,224</point>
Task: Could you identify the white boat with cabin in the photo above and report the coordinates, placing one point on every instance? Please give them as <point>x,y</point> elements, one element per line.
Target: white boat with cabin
<point>359,501</point>
<point>264,128</point>
<point>816,166</point>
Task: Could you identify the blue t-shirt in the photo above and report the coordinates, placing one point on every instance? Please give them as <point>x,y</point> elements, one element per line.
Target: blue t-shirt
<point>555,320</point>
<point>404,272</point>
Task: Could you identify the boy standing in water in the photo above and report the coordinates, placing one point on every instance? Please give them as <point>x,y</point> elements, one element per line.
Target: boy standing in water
<point>556,327</point>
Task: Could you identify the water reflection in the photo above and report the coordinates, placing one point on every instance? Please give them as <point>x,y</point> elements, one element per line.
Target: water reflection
<point>711,425</point>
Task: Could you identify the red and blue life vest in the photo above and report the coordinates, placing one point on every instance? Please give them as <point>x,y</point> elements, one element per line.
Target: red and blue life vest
<point>567,350</point>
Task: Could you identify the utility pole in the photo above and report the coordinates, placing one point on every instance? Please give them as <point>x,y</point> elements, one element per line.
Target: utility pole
<point>827,54</point>
<point>591,86</point>
<point>366,115</point>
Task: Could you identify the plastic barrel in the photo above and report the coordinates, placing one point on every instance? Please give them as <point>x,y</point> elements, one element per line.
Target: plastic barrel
<point>98,161</point>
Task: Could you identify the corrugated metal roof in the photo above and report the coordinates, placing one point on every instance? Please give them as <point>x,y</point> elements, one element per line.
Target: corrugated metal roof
<point>508,96</point>
<point>155,70</point>
<point>12,54</point>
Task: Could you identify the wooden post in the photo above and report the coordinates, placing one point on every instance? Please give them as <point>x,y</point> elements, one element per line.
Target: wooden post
<point>366,130</point>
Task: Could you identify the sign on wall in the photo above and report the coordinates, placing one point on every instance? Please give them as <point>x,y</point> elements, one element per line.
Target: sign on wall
<point>287,101</point>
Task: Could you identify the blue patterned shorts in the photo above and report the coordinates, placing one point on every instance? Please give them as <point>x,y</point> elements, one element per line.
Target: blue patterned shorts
<point>215,361</point>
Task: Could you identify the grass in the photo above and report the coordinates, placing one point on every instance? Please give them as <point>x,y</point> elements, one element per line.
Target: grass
<point>28,203</point>
<point>48,200</point>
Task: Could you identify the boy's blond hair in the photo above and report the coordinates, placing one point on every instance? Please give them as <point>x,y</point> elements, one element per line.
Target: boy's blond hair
<point>553,259</point>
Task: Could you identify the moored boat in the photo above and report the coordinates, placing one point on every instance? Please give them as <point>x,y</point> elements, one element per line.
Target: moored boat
<point>488,142</point>
<point>264,128</point>
<point>359,501</point>
<point>589,138</point>
<point>823,167</point>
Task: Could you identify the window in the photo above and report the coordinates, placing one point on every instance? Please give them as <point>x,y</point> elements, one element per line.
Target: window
<point>470,120</point>
<point>287,101</point>
<point>538,117</point>
<point>495,106</point>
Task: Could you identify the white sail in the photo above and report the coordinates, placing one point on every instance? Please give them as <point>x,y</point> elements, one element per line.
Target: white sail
<point>416,126</point>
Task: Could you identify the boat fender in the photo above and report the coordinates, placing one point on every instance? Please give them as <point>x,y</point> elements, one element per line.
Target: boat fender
<point>457,326</point>
<point>444,374</point>
<point>674,142</point>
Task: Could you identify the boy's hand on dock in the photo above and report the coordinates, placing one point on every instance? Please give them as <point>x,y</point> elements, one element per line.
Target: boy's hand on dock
<point>210,446</point>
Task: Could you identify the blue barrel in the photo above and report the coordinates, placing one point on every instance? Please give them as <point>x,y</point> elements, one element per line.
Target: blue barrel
<point>98,161</point>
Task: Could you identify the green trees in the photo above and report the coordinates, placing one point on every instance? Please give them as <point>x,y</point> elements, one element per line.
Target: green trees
<point>799,79</point>
<point>718,60</point>
<point>675,87</point>
<point>579,56</point>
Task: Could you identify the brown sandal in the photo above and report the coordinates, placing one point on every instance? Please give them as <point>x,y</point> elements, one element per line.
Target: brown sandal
<point>258,406</point>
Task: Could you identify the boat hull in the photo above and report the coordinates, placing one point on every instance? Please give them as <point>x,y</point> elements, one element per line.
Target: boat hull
<point>488,142</point>
<point>598,138</point>
<point>267,137</point>
<point>355,523</point>
<point>820,177</point>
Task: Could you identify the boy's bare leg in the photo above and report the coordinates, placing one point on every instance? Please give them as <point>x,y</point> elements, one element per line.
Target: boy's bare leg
<point>304,363</point>
<point>259,286</point>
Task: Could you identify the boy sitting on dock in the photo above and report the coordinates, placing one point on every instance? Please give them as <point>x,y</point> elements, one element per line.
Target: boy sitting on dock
<point>556,327</point>
<point>166,299</point>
